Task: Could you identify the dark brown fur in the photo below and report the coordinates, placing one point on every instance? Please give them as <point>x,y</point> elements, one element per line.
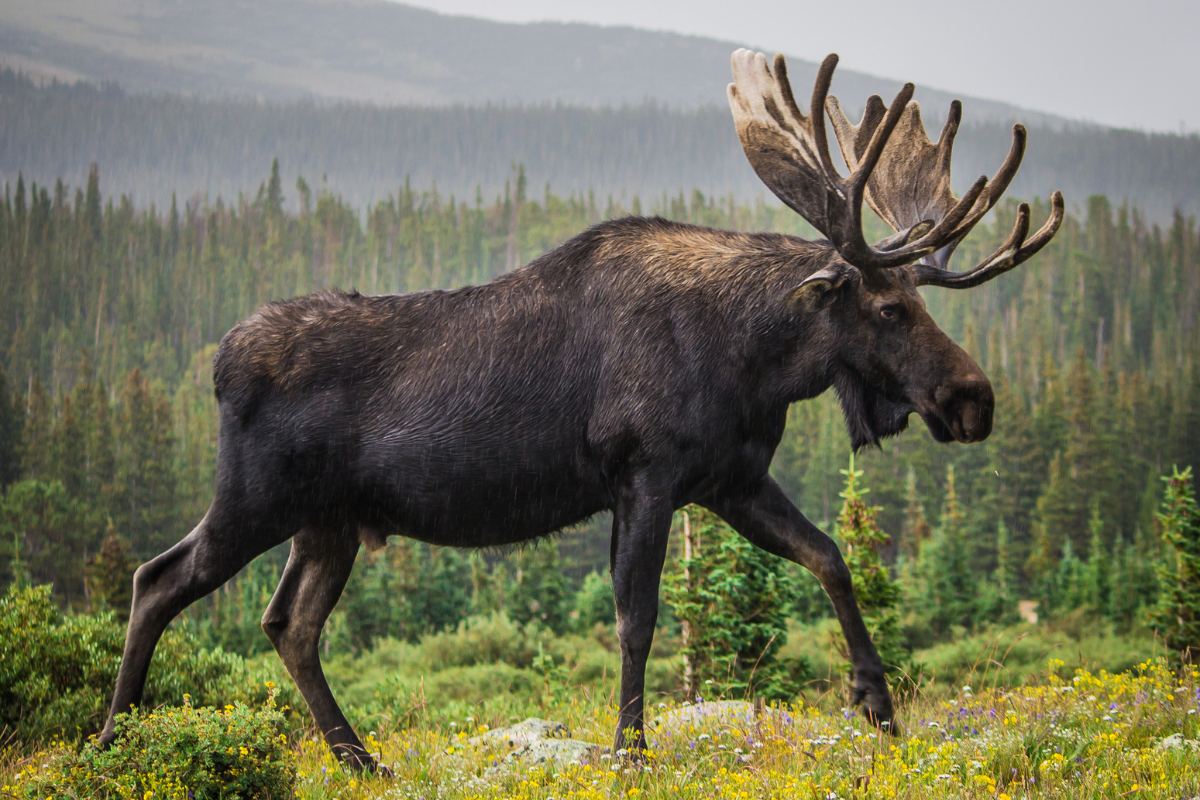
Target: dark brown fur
<point>641,366</point>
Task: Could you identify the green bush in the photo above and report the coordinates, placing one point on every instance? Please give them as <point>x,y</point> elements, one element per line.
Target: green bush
<point>594,603</point>
<point>57,671</point>
<point>176,754</point>
<point>483,640</point>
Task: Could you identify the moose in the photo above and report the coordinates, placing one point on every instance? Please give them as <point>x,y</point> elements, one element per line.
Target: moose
<point>641,366</point>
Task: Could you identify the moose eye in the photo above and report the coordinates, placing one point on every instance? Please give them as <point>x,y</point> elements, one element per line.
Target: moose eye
<point>889,313</point>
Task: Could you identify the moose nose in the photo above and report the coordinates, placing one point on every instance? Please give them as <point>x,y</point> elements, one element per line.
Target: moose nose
<point>966,407</point>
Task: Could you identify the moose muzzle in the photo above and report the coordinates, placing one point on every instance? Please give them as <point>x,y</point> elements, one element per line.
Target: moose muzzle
<point>962,410</point>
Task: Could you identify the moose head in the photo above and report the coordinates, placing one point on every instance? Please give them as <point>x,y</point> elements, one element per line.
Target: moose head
<point>888,356</point>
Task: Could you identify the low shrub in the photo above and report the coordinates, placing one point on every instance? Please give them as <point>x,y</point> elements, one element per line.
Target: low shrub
<point>57,670</point>
<point>174,754</point>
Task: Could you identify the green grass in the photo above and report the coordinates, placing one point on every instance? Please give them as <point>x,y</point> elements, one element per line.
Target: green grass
<point>1013,713</point>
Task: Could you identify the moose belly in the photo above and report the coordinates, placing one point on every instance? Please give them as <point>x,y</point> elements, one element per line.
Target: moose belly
<point>476,495</point>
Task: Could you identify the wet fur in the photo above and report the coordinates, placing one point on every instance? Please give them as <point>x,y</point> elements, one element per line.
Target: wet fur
<point>641,366</point>
<point>496,413</point>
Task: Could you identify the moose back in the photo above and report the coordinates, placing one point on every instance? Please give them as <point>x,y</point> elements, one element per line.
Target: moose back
<point>641,366</point>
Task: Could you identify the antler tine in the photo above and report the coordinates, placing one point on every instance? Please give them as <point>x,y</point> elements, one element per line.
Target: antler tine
<point>893,166</point>
<point>949,133</point>
<point>911,183</point>
<point>1014,251</point>
<point>816,106</point>
<point>978,207</point>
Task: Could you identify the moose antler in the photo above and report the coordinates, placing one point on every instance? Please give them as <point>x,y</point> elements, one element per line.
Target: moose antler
<point>790,153</point>
<point>911,183</point>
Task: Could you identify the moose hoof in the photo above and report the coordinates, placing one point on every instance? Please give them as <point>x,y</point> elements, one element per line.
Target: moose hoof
<point>871,692</point>
<point>358,759</point>
<point>369,766</point>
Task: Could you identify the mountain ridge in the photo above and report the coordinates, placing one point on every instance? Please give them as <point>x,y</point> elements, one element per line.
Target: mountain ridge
<point>393,54</point>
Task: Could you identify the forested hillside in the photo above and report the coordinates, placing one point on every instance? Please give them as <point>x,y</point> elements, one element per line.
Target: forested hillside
<point>388,53</point>
<point>109,315</point>
<point>151,146</point>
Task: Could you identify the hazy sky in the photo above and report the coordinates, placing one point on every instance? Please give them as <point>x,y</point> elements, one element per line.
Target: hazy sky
<point>1133,63</point>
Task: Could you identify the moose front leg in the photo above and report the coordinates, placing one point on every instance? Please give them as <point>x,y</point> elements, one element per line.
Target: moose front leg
<point>768,519</point>
<point>641,526</point>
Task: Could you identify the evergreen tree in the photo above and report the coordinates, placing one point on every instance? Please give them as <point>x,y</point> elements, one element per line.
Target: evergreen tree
<point>877,595</point>
<point>109,576</point>
<point>731,599</point>
<point>11,423</point>
<point>594,603</point>
<point>443,598</point>
<point>36,441</point>
<point>539,587</point>
<point>144,495</point>
<point>1053,517</point>
<point>53,533</point>
<point>1177,614</point>
<point>1066,592</point>
<point>997,594</point>
<point>1097,572</point>
<point>944,589</point>
<point>488,585</point>
<point>916,529</point>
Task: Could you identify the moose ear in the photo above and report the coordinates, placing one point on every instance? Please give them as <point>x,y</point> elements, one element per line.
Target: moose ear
<point>815,293</point>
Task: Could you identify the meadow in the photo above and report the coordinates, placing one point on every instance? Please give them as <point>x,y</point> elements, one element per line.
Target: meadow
<point>1060,709</point>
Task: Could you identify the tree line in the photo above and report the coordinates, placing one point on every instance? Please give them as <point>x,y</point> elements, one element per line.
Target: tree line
<point>110,316</point>
<point>152,145</point>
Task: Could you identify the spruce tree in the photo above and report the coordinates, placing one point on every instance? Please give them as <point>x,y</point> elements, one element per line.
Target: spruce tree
<point>916,528</point>
<point>1097,572</point>
<point>1177,614</point>
<point>36,440</point>
<point>109,576</point>
<point>539,589</point>
<point>732,599</point>
<point>945,588</point>
<point>54,533</point>
<point>878,596</point>
<point>11,422</point>
<point>144,501</point>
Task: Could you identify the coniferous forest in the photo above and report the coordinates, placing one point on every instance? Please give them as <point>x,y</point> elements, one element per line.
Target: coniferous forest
<point>107,422</point>
<point>1073,530</point>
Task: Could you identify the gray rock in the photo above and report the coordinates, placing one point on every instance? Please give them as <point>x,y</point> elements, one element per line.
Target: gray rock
<point>557,751</point>
<point>523,733</point>
<point>539,741</point>
<point>727,712</point>
<point>736,715</point>
<point>1176,741</point>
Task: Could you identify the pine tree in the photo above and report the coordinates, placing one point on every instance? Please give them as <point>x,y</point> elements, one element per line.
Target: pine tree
<point>109,576</point>
<point>144,502</point>
<point>916,529</point>
<point>1052,519</point>
<point>11,423</point>
<point>1097,572</point>
<point>732,599</point>
<point>36,442</point>
<point>539,588</point>
<point>275,190</point>
<point>877,595</point>
<point>53,533</point>
<point>1177,614</point>
<point>944,587</point>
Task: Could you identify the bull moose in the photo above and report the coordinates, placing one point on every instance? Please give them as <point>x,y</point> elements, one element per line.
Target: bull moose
<point>641,366</point>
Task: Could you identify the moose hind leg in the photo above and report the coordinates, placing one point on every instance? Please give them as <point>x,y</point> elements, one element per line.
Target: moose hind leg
<point>641,526</point>
<point>312,582</point>
<point>167,584</point>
